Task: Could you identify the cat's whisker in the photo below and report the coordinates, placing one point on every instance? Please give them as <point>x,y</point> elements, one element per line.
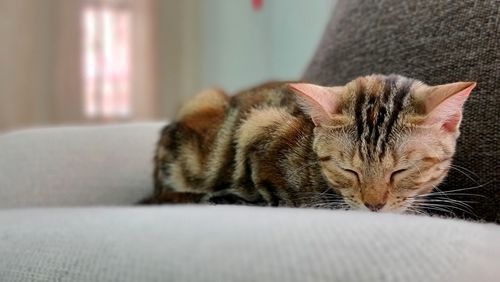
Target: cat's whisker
<point>317,193</point>
<point>320,198</point>
<point>446,199</point>
<point>329,202</point>
<point>414,164</point>
<point>466,209</point>
<point>454,203</point>
<point>451,194</point>
<point>437,199</point>
<point>301,168</point>
<point>325,193</point>
<point>464,173</point>
<point>442,209</point>
<point>440,191</point>
<point>414,210</point>
<point>419,211</point>
<point>408,208</point>
<point>329,198</point>
<point>470,188</point>
<point>466,169</point>
<point>438,196</point>
<point>454,192</point>
<point>328,205</point>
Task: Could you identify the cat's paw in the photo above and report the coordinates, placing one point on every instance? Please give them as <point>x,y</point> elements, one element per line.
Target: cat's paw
<point>225,199</point>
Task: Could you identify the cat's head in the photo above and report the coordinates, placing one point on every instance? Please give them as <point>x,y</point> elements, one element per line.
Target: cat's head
<point>384,141</point>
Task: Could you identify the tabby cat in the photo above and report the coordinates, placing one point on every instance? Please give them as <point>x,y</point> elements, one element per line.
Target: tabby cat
<point>379,143</point>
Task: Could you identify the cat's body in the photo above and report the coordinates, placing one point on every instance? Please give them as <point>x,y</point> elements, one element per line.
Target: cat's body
<point>256,144</point>
<point>302,145</point>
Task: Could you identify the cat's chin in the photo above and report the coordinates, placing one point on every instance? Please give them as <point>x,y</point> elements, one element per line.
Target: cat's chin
<point>399,210</point>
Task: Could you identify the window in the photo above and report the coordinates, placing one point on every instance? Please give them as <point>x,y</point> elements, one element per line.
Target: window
<point>106,61</point>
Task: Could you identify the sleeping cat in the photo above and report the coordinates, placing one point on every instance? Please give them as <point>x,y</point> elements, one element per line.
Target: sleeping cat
<point>378,143</point>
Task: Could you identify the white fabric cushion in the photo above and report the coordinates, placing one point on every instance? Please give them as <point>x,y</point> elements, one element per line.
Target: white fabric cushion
<point>112,165</point>
<point>230,243</point>
<point>71,166</point>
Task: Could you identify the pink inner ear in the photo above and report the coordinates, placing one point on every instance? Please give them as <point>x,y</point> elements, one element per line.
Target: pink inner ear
<point>449,112</point>
<point>319,97</point>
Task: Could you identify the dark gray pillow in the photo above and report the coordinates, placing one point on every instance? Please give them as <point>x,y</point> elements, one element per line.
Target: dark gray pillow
<point>437,42</point>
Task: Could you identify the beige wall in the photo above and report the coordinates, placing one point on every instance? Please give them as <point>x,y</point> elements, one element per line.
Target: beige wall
<point>39,63</point>
<point>26,62</point>
<point>179,56</point>
<point>181,46</point>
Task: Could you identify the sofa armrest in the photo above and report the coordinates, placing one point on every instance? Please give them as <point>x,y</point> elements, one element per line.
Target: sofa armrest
<point>77,166</point>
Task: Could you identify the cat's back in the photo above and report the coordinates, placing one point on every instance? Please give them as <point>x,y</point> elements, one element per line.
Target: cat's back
<point>212,110</point>
<point>272,94</point>
<point>197,151</point>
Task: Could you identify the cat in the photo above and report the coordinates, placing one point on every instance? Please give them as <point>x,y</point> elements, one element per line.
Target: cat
<point>379,143</point>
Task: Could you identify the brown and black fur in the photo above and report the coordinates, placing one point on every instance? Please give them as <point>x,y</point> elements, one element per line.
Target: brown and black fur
<point>383,145</point>
<point>264,165</point>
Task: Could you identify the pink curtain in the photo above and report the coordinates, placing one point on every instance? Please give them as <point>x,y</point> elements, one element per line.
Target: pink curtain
<point>42,63</point>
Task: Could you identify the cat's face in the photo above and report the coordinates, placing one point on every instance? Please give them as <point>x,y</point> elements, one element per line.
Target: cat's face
<point>414,163</point>
<point>385,141</point>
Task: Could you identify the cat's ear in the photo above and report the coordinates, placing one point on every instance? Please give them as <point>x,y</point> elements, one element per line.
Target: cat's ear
<point>444,104</point>
<point>319,102</point>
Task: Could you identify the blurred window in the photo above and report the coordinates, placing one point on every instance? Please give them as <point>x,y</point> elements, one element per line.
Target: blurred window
<point>106,60</point>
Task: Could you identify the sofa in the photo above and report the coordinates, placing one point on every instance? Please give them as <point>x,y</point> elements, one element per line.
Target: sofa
<point>67,194</point>
<point>67,214</point>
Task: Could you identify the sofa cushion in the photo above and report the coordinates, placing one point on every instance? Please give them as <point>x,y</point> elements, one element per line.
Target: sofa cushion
<point>74,166</point>
<point>437,42</point>
<point>231,243</point>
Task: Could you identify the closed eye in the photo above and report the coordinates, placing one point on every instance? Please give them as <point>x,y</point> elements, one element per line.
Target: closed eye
<point>354,173</point>
<point>396,173</point>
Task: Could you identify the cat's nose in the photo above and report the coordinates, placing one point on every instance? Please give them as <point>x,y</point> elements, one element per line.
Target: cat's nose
<point>374,207</point>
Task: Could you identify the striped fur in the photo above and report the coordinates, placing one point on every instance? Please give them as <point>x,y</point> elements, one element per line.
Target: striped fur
<point>260,147</point>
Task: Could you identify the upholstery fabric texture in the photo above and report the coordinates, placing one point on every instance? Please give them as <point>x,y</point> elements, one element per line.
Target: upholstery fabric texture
<point>231,243</point>
<point>437,42</point>
<point>111,165</point>
<point>77,166</point>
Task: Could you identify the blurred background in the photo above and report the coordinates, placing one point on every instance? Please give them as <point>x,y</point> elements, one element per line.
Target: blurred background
<point>108,61</point>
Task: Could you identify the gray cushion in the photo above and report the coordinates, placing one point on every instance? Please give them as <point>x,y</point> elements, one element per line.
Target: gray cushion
<point>225,243</point>
<point>75,166</point>
<point>436,42</point>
